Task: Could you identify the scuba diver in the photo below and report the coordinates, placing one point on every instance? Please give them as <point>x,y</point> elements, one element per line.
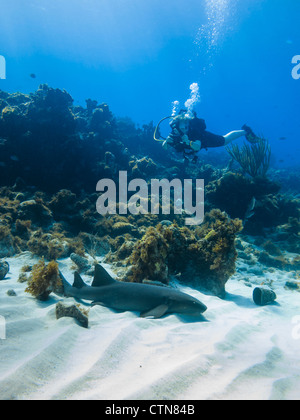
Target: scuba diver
<point>189,135</point>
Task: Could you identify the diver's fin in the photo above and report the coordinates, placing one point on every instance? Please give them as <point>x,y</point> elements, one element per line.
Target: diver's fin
<point>156,312</point>
<point>101,277</point>
<point>250,135</point>
<point>78,282</point>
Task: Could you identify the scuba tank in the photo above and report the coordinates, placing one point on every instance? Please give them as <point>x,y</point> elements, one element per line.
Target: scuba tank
<point>197,126</point>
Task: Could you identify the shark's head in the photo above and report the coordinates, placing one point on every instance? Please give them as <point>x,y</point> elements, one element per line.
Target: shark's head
<point>189,306</point>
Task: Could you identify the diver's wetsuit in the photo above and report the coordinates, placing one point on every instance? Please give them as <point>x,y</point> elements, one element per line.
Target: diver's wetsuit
<point>197,131</point>
<point>175,141</point>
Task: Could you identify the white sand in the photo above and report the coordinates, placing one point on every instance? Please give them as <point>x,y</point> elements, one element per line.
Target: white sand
<point>240,351</point>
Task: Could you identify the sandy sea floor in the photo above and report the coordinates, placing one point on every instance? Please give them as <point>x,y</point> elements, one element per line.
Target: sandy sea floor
<point>237,351</point>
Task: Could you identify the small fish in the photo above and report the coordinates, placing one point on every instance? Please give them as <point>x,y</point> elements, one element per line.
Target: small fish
<point>33,76</point>
<point>2,165</point>
<point>282,138</point>
<point>14,158</point>
<point>250,210</point>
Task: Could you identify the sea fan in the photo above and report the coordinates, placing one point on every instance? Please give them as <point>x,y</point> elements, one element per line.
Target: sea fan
<point>254,159</point>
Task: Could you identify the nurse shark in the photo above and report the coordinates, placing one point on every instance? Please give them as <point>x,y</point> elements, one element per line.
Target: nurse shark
<point>149,300</point>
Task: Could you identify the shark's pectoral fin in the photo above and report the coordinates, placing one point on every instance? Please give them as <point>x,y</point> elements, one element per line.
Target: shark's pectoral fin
<point>156,312</point>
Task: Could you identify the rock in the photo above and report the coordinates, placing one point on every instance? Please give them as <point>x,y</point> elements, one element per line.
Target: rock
<point>4,269</point>
<point>11,292</point>
<point>81,262</point>
<point>239,245</point>
<point>7,247</point>
<point>23,278</point>
<point>125,250</point>
<point>272,249</point>
<point>90,272</point>
<point>244,256</point>
<point>270,261</point>
<point>121,228</point>
<point>166,222</point>
<point>72,311</point>
<point>35,211</point>
<point>292,285</point>
<point>94,245</point>
<point>257,271</point>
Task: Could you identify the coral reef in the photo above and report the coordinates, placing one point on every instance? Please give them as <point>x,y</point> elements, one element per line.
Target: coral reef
<point>36,212</point>
<point>149,257</point>
<point>233,193</point>
<point>46,125</point>
<point>143,168</point>
<point>47,245</point>
<point>214,254</point>
<point>52,156</point>
<point>7,243</point>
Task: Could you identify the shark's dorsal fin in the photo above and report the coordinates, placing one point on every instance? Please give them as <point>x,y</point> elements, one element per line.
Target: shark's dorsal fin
<point>102,278</point>
<point>78,282</point>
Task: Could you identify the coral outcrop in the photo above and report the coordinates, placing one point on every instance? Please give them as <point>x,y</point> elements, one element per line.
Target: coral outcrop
<point>149,257</point>
<point>204,257</point>
<point>44,279</point>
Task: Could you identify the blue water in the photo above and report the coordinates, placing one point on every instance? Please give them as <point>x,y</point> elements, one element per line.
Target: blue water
<point>141,55</point>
